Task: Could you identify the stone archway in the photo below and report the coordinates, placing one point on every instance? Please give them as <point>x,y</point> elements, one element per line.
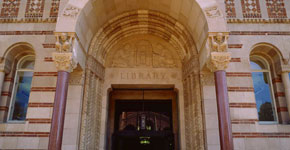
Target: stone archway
<point>94,32</point>
<point>166,48</point>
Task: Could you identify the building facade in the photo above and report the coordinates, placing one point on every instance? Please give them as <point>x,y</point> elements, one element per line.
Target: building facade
<point>189,74</point>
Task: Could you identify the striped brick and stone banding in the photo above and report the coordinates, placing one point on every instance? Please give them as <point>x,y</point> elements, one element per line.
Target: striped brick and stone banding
<point>240,89</point>
<point>24,134</point>
<point>261,135</point>
<point>43,89</point>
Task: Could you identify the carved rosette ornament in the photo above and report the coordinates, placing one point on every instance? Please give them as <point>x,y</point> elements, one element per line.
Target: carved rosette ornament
<point>63,57</point>
<point>219,57</point>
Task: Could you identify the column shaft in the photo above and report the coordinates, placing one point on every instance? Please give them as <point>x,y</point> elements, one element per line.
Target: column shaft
<point>286,83</point>
<point>225,127</point>
<point>57,124</point>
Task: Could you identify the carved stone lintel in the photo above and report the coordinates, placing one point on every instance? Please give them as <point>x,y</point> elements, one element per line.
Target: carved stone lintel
<point>218,42</point>
<point>219,61</point>
<point>64,61</point>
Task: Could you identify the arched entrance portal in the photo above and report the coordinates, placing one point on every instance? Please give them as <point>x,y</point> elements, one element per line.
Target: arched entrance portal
<point>182,26</point>
<point>142,48</point>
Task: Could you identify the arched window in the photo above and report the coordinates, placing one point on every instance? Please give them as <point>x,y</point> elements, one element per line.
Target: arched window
<point>21,89</point>
<point>265,100</point>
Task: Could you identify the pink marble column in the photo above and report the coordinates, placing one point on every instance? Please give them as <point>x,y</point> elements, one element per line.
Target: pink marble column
<point>225,127</point>
<point>57,124</point>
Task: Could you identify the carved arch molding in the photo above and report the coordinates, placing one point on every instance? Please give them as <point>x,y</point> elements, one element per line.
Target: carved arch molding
<point>141,51</point>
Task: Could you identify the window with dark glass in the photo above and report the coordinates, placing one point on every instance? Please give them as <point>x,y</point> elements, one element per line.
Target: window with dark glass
<point>21,89</point>
<point>263,90</point>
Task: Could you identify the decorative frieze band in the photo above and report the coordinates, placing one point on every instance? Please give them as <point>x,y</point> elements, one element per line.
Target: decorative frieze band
<point>259,20</point>
<point>260,33</point>
<point>26,32</point>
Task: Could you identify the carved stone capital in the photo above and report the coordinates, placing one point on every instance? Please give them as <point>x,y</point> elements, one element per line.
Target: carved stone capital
<point>219,61</point>
<point>218,41</point>
<point>64,61</point>
<point>64,41</point>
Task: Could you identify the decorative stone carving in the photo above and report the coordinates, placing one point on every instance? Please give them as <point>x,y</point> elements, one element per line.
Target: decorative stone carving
<point>141,53</point>
<point>64,42</point>
<point>213,12</point>
<point>96,67</point>
<point>218,42</point>
<point>161,57</point>
<point>219,61</point>
<point>193,118</point>
<point>71,11</point>
<point>219,57</point>
<point>124,57</point>
<point>64,61</point>
<point>191,66</point>
<point>64,58</point>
